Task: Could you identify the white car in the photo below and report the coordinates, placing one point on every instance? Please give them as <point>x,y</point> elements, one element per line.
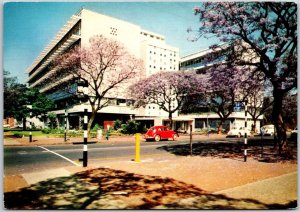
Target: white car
<point>268,130</point>
<point>238,131</point>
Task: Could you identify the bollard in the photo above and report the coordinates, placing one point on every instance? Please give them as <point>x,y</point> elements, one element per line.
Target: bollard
<point>30,136</point>
<point>137,148</point>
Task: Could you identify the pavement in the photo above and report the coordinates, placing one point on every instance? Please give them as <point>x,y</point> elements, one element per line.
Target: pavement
<point>274,188</point>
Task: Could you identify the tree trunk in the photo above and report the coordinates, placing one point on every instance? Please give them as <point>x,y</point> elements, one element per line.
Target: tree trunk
<point>281,137</point>
<point>220,127</point>
<point>170,120</point>
<point>254,125</point>
<point>24,123</point>
<point>91,120</point>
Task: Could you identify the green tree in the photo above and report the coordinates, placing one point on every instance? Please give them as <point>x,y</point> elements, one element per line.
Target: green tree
<point>17,98</point>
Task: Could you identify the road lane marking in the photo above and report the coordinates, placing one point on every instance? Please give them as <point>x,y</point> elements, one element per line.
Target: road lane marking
<point>76,164</point>
<point>22,153</point>
<point>105,148</point>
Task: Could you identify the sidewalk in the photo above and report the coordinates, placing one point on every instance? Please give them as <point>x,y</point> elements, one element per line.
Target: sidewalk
<point>223,187</point>
<point>280,190</point>
<point>43,140</point>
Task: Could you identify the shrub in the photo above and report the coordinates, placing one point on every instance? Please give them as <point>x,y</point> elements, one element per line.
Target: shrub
<point>52,124</point>
<point>130,127</point>
<point>18,134</point>
<point>96,127</point>
<point>46,130</point>
<point>117,124</point>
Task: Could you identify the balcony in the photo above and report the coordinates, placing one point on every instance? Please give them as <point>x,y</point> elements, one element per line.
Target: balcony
<point>56,83</point>
<point>65,29</point>
<point>71,40</point>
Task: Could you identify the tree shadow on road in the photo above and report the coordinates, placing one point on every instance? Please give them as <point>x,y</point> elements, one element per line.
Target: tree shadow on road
<point>104,188</point>
<point>234,149</point>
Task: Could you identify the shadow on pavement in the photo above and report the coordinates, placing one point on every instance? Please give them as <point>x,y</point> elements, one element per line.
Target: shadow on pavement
<point>235,150</point>
<point>104,188</point>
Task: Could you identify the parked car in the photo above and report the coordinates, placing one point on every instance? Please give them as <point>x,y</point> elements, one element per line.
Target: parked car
<point>267,130</point>
<point>238,132</point>
<point>159,133</point>
<point>294,134</point>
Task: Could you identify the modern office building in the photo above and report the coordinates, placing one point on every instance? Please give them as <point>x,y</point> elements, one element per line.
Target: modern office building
<point>148,46</point>
<point>201,62</point>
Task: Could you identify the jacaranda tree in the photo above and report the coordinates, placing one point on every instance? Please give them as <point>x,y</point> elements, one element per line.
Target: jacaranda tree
<point>107,67</point>
<point>269,31</point>
<point>166,89</point>
<point>224,86</point>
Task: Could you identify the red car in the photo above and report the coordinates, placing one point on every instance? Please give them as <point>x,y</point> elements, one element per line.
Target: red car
<point>159,133</point>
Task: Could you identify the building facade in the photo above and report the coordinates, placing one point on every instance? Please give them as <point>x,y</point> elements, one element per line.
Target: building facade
<point>148,46</point>
<point>201,62</point>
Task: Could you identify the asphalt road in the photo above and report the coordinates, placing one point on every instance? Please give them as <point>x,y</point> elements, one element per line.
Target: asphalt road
<point>19,160</point>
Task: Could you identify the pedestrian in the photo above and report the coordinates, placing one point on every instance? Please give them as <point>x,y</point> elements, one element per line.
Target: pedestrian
<point>107,133</point>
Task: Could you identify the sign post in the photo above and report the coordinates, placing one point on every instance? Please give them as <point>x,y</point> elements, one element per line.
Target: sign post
<point>238,106</point>
<point>85,134</point>
<point>191,139</point>
<point>66,115</point>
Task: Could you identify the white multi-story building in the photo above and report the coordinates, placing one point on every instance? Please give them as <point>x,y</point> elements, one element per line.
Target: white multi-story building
<point>200,62</point>
<point>148,46</point>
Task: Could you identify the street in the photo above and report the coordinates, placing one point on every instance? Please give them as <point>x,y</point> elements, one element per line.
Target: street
<point>18,160</point>
<point>24,159</point>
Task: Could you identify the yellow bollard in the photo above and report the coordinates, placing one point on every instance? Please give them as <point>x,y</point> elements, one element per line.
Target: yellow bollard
<point>137,148</point>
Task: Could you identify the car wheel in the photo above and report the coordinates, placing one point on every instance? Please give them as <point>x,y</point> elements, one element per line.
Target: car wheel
<point>157,138</point>
<point>175,137</point>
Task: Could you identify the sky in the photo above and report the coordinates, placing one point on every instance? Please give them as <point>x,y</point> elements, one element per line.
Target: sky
<point>28,27</point>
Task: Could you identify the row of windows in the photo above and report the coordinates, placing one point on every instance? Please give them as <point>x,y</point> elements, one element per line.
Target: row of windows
<point>216,57</point>
<point>161,68</point>
<point>171,60</point>
<point>154,108</point>
<point>152,36</point>
<point>120,102</point>
<point>171,54</point>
